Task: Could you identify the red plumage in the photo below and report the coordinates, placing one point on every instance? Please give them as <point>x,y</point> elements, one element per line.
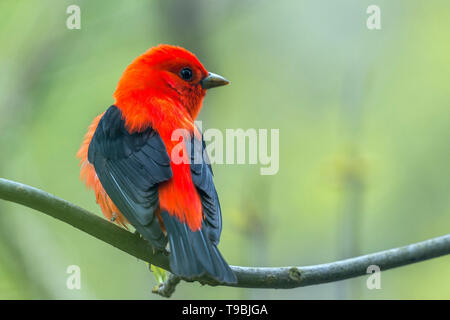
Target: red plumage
<point>159,92</point>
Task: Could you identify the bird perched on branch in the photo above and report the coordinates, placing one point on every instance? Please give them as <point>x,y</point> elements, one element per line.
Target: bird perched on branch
<point>128,159</point>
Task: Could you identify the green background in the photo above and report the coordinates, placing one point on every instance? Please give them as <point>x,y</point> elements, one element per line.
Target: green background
<point>364,120</point>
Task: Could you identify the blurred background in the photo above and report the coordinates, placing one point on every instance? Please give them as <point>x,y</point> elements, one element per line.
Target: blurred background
<point>364,120</point>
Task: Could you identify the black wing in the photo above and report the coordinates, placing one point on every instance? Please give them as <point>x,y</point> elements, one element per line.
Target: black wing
<point>129,167</point>
<point>202,176</point>
<point>194,253</point>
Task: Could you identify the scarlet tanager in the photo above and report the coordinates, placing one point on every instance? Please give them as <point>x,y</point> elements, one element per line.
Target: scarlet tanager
<point>126,158</point>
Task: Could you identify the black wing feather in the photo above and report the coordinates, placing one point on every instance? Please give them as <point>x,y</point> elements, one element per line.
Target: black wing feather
<point>130,166</point>
<point>202,176</point>
<point>194,253</point>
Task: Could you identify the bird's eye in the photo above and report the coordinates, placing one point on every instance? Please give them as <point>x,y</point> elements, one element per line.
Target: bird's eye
<point>186,74</point>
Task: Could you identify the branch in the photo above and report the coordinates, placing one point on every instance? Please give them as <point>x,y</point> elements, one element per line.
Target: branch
<point>82,219</point>
<point>248,277</point>
<point>167,288</point>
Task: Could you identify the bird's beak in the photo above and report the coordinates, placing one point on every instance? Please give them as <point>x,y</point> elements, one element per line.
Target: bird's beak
<point>213,80</point>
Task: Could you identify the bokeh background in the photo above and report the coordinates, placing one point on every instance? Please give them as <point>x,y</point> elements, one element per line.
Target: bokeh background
<point>364,120</point>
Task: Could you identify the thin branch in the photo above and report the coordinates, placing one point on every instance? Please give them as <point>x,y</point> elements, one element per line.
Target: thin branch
<point>293,277</point>
<point>167,288</point>
<point>82,219</point>
<point>248,277</point>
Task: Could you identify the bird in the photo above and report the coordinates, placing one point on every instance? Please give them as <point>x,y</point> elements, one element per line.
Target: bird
<point>128,157</point>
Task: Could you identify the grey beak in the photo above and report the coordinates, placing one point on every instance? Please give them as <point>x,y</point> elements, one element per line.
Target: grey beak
<point>213,80</point>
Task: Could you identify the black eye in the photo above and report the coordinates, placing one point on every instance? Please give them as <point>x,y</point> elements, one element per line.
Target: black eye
<point>186,74</point>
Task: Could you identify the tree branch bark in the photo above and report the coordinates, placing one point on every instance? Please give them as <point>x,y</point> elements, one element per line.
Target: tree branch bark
<point>248,277</point>
<point>167,288</point>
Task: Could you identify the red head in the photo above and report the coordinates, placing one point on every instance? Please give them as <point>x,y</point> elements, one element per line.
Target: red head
<point>164,80</point>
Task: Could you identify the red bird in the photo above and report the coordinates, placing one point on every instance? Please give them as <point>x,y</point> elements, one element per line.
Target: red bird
<point>126,157</point>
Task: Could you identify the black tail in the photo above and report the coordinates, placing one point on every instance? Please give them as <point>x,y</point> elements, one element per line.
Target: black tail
<point>193,254</point>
